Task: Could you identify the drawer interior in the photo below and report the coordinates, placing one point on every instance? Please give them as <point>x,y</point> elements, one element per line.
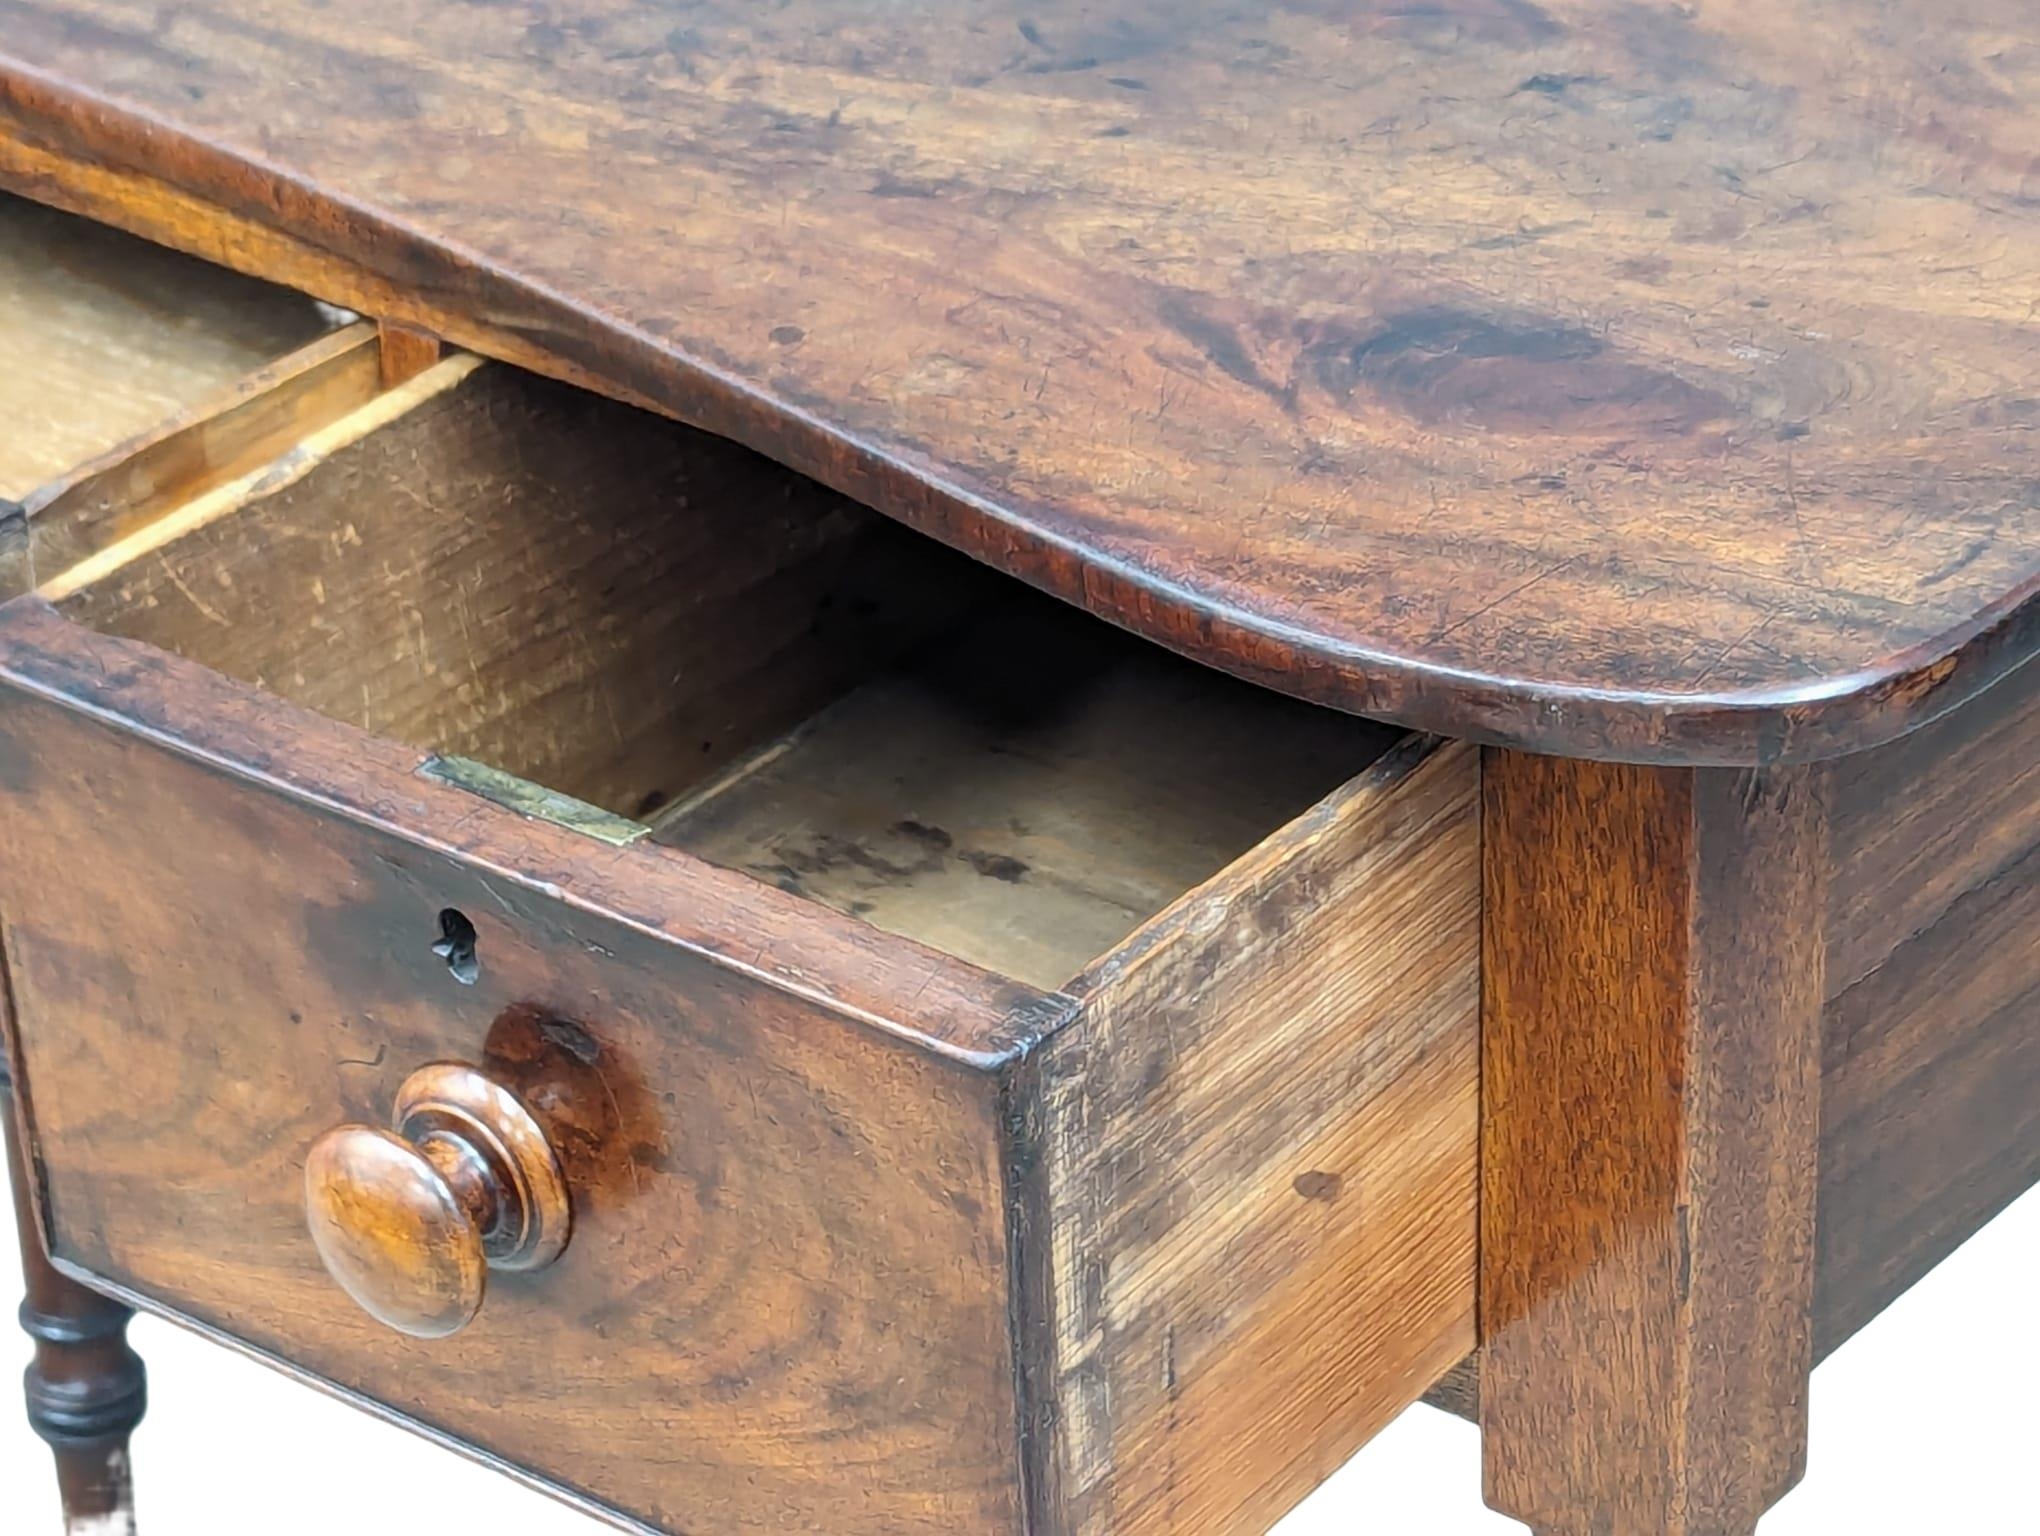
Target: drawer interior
<point>725,657</point>
<point>104,336</point>
<point>1022,790</point>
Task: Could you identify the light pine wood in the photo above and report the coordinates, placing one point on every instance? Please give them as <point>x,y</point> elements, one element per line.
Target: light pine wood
<point>1254,1242</point>
<point>103,336</point>
<point>1023,796</point>
<point>1025,792</point>
<point>270,413</point>
<point>1650,1119</point>
<point>136,554</point>
<point>492,565</point>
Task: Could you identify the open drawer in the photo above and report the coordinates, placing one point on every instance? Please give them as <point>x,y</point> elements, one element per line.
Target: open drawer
<point>132,377</point>
<point>1005,1077</point>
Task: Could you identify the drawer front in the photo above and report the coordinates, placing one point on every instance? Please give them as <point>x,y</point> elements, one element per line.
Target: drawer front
<point>783,1306</point>
<point>864,1239</point>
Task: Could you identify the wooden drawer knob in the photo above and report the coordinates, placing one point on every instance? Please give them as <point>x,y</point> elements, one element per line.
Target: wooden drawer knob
<point>411,1222</point>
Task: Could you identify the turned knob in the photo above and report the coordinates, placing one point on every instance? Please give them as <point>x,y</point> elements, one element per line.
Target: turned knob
<point>411,1221</point>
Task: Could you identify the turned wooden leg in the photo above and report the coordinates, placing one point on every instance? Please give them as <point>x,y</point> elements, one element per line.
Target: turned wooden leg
<point>1651,1075</point>
<point>86,1390</point>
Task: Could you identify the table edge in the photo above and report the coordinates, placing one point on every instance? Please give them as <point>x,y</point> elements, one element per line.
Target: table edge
<point>370,255</point>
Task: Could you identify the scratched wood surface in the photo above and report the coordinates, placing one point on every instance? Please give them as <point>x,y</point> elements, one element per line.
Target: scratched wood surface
<point>489,564</point>
<point>1254,1240</point>
<point>1644,381</point>
<point>259,418</point>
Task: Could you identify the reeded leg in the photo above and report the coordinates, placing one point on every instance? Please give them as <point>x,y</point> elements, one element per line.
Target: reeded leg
<point>1651,1074</point>
<point>86,1389</point>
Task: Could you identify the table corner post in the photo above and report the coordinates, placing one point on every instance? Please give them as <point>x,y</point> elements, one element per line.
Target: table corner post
<point>1652,993</point>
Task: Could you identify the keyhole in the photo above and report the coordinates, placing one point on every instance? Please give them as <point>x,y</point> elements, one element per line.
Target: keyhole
<point>456,946</point>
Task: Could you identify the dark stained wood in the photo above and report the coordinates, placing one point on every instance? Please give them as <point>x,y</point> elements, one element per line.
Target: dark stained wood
<point>1631,381</point>
<point>1932,1113</point>
<point>1254,1243</point>
<point>1650,1118</point>
<point>830,1189</point>
<point>1931,1093</point>
<point>412,1219</point>
<point>1930,1085</point>
<point>496,566</point>
<point>1920,824</point>
<point>86,1389</point>
<point>785,1304</point>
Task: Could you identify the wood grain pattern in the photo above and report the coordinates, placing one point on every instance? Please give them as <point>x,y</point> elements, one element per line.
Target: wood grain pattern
<point>1024,795</point>
<point>492,565</point>
<point>231,951</point>
<point>395,1232</point>
<point>103,336</point>
<point>405,352</point>
<point>1930,1083</point>
<point>1650,1118</point>
<point>411,1218</point>
<point>1458,1390</point>
<point>1930,1118</point>
<point>1627,381</point>
<point>1254,1242</point>
<point>1227,1130</point>
<point>232,433</point>
<point>1923,822</point>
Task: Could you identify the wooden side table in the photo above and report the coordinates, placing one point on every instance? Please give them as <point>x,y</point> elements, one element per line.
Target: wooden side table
<point>989,770</point>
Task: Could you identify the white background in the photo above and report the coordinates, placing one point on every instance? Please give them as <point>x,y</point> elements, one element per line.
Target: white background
<point>1923,1424</point>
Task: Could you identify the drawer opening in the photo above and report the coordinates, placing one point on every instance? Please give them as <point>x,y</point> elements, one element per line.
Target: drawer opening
<point>104,337</point>
<point>619,609</point>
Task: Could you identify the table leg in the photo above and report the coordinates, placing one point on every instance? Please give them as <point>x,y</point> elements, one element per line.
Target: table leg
<point>1651,1075</point>
<point>86,1389</point>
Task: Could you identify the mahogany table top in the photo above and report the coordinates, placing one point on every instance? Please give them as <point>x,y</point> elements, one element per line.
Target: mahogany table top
<point>1635,380</point>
